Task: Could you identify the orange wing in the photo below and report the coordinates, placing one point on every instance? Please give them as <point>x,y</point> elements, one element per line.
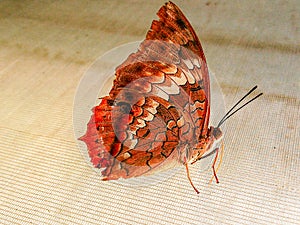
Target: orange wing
<point>158,107</point>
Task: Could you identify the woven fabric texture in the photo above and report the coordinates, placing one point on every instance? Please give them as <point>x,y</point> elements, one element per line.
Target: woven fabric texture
<point>45,49</point>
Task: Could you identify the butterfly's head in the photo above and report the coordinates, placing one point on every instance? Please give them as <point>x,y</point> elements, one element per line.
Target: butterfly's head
<point>207,145</point>
<point>216,133</point>
<point>216,136</point>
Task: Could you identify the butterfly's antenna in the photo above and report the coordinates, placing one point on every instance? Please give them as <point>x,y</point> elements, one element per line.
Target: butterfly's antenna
<point>230,113</point>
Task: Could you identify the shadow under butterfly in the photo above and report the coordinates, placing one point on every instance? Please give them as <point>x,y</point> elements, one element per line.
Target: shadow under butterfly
<point>156,115</point>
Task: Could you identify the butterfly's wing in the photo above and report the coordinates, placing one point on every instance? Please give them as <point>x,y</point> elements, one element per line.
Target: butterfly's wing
<point>174,27</point>
<point>158,107</point>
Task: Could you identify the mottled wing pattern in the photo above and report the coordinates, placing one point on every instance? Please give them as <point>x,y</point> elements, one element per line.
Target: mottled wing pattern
<point>158,107</point>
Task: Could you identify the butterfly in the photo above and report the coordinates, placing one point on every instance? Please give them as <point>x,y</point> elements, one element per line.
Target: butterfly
<point>156,115</point>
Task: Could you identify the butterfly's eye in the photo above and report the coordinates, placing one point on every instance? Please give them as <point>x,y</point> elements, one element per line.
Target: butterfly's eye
<point>217,133</point>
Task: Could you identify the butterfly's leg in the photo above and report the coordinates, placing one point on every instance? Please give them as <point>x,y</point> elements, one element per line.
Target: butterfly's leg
<point>188,175</point>
<point>213,165</point>
<point>220,160</point>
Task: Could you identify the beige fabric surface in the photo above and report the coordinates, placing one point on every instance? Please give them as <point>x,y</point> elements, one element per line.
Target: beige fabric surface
<point>45,49</point>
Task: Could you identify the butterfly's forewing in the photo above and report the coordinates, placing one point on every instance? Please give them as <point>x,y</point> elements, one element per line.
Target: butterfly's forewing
<point>158,107</point>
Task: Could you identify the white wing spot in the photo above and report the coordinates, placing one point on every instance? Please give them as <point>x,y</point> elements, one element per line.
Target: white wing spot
<point>158,92</point>
<point>126,155</point>
<point>149,117</point>
<point>197,63</point>
<point>188,63</point>
<point>141,123</point>
<point>190,77</point>
<point>173,89</point>
<point>130,142</point>
<point>179,80</point>
<point>152,108</point>
<point>180,122</point>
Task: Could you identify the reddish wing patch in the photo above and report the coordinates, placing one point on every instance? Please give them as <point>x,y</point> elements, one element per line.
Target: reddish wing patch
<point>158,107</point>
